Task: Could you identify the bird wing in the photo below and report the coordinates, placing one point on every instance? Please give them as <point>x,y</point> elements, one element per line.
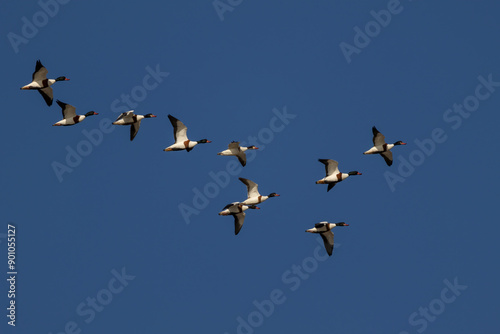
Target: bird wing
<point>242,157</point>
<point>180,130</point>
<point>234,146</point>
<point>330,186</point>
<point>68,111</point>
<point>387,155</point>
<point>47,95</point>
<point>328,241</point>
<point>378,138</point>
<point>252,188</point>
<point>239,218</point>
<point>331,166</point>
<point>134,128</point>
<point>125,114</point>
<point>40,73</point>
<point>318,225</point>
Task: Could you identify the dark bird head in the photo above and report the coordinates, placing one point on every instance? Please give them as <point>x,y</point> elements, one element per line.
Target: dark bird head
<point>91,113</point>
<point>399,142</point>
<point>354,172</point>
<point>253,207</point>
<point>273,195</point>
<point>203,141</point>
<point>149,116</point>
<point>341,224</point>
<point>253,147</point>
<point>62,79</point>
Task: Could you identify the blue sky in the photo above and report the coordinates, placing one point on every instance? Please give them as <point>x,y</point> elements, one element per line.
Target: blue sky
<point>103,244</point>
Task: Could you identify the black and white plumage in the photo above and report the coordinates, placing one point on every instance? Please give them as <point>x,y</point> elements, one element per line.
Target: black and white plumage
<point>253,195</point>
<point>237,210</point>
<point>381,147</point>
<point>180,136</point>
<point>234,149</point>
<point>69,115</point>
<point>325,230</point>
<point>40,83</point>
<point>333,175</point>
<point>129,118</point>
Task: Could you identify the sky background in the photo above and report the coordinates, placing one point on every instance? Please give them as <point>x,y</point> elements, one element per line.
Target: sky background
<point>118,208</point>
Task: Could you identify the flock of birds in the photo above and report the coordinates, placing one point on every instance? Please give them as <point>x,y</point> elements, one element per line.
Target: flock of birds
<point>236,209</point>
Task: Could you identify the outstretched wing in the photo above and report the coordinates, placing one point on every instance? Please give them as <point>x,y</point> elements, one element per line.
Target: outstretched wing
<point>47,95</point>
<point>40,73</point>
<point>234,146</point>
<point>125,114</point>
<point>387,155</point>
<point>68,111</point>
<point>378,138</point>
<point>330,186</point>
<point>328,241</point>
<point>239,218</point>
<point>134,128</point>
<point>242,158</point>
<point>180,130</point>
<point>252,187</point>
<point>331,166</point>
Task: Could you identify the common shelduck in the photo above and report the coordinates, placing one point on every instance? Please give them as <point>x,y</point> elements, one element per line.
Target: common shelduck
<point>129,118</point>
<point>69,115</point>
<point>325,230</point>
<point>333,175</point>
<point>237,210</point>
<point>239,151</point>
<point>42,84</point>
<point>381,147</point>
<point>253,195</point>
<point>180,135</point>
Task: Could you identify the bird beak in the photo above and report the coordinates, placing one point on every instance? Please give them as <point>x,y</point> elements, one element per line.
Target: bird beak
<point>209,141</point>
<point>66,79</point>
<point>360,174</point>
<point>403,143</point>
<point>277,195</point>
<point>96,113</point>
<point>255,148</point>
<point>153,115</point>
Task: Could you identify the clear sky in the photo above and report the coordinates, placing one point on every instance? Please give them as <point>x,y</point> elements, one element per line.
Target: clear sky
<point>119,236</point>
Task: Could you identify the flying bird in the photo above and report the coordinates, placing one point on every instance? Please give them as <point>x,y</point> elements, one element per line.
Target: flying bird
<point>180,135</point>
<point>42,84</point>
<point>234,149</point>
<point>129,118</point>
<point>237,210</point>
<point>381,147</point>
<point>253,195</point>
<point>69,115</point>
<point>325,230</point>
<point>333,175</point>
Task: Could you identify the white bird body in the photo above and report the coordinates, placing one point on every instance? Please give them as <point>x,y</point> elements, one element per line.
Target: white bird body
<point>180,135</point>
<point>379,149</point>
<point>69,115</point>
<point>325,230</point>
